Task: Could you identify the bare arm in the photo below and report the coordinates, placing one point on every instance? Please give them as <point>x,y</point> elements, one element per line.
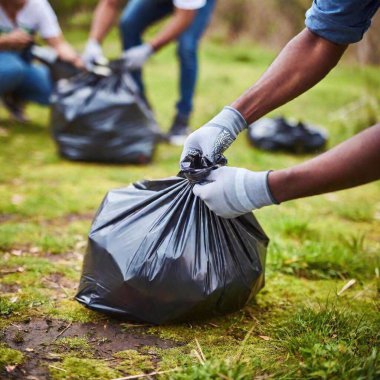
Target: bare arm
<point>304,61</point>
<point>180,21</point>
<point>352,163</point>
<point>105,17</point>
<point>64,50</point>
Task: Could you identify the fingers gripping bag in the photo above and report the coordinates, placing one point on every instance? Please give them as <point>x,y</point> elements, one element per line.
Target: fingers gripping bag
<point>103,118</point>
<point>157,254</point>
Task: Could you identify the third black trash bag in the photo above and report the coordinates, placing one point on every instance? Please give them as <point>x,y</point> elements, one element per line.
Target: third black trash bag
<point>157,254</point>
<point>103,118</point>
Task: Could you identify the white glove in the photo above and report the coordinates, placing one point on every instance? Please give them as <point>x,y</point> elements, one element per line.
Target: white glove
<point>213,138</point>
<point>93,52</point>
<point>235,191</point>
<point>136,57</point>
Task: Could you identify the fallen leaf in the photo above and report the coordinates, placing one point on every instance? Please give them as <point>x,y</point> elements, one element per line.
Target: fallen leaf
<point>3,132</point>
<point>331,197</point>
<point>17,199</point>
<point>10,271</point>
<point>17,181</point>
<point>53,356</point>
<point>10,368</point>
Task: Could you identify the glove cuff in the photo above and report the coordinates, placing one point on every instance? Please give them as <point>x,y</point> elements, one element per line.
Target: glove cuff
<point>229,119</point>
<point>257,189</point>
<point>94,44</point>
<point>238,122</point>
<point>149,49</point>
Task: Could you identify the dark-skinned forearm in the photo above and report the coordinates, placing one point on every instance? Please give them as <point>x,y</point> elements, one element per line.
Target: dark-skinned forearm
<point>180,21</point>
<point>304,61</point>
<point>351,163</point>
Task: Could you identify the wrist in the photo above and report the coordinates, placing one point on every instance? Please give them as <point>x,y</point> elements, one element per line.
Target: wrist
<point>230,119</point>
<point>93,42</point>
<point>155,45</point>
<point>149,48</point>
<point>281,185</point>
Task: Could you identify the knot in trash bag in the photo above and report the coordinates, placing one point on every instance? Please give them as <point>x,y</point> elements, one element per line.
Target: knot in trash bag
<point>157,254</point>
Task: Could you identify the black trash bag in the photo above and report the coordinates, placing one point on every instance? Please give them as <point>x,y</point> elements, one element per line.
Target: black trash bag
<point>103,118</point>
<point>279,134</point>
<point>157,254</point>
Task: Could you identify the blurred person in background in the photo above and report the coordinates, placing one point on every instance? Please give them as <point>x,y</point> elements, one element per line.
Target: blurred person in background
<point>20,79</point>
<point>330,27</point>
<point>187,25</point>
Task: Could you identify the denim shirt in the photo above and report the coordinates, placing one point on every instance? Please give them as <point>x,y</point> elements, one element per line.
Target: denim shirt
<point>341,21</point>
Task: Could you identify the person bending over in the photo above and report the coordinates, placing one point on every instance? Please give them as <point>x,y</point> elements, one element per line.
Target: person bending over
<point>187,25</point>
<point>20,79</point>
<point>330,27</point>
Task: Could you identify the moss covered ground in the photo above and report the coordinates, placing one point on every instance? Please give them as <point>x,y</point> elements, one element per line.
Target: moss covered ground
<point>298,327</point>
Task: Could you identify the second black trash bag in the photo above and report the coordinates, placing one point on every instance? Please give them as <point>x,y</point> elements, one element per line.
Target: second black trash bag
<point>103,118</point>
<point>157,254</point>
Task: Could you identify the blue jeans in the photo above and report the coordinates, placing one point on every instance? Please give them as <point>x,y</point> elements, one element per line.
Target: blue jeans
<point>27,81</point>
<point>139,14</point>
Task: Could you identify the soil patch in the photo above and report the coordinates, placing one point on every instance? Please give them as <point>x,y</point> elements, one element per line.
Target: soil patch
<point>68,219</point>
<point>9,288</point>
<point>7,218</point>
<point>36,339</point>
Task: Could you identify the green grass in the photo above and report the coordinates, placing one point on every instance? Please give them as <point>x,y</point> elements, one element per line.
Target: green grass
<point>73,368</point>
<point>317,244</point>
<point>9,357</point>
<point>332,344</point>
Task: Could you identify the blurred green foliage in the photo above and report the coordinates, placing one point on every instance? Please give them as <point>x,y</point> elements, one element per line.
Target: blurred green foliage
<point>65,7</point>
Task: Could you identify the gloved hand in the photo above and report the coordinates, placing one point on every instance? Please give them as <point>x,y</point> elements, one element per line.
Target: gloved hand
<point>213,138</point>
<point>93,52</point>
<point>235,191</point>
<point>136,57</point>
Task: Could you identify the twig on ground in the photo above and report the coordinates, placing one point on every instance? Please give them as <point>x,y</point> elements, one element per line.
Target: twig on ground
<point>347,286</point>
<point>243,343</point>
<point>198,356</point>
<point>142,375</point>
<point>59,369</point>
<point>200,350</point>
<point>57,285</point>
<point>68,295</point>
<point>64,330</point>
<point>134,325</point>
<point>11,271</point>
